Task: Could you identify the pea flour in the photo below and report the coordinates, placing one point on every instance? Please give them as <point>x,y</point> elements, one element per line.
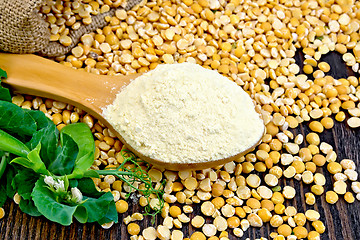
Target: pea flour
<point>184,113</point>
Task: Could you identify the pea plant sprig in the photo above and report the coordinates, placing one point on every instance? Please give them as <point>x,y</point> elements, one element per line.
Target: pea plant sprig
<point>137,174</point>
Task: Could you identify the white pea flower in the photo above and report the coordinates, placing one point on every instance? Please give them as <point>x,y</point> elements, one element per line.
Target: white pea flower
<point>59,185</point>
<point>76,195</point>
<point>49,181</point>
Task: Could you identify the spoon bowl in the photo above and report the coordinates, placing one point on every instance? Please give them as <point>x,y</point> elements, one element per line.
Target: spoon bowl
<point>34,75</point>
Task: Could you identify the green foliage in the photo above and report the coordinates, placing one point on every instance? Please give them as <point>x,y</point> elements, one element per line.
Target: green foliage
<point>3,196</point>
<point>7,180</point>
<point>111,214</point>
<point>33,146</point>
<point>46,134</point>
<point>46,203</point>
<point>51,172</point>
<point>2,74</point>
<point>14,119</point>
<point>28,207</point>
<point>58,208</point>
<point>58,205</point>
<point>97,208</point>
<point>33,161</point>
<point>82,136</point>
<point>24,181</point>
<point>64,162</point>
<point>4,92</point>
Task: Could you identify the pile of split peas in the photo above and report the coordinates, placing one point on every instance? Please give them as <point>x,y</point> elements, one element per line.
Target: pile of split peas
<point>253,43</point>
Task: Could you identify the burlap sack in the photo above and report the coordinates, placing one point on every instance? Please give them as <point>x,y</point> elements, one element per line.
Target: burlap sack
<point>22,30</point>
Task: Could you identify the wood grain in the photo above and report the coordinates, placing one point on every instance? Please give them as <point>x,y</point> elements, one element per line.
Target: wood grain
<point>342,220</point>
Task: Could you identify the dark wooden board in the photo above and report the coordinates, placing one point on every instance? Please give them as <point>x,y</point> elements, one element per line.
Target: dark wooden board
<point>342,219</point>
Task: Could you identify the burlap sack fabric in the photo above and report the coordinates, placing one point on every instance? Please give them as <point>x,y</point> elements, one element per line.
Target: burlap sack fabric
<point>22,30</point>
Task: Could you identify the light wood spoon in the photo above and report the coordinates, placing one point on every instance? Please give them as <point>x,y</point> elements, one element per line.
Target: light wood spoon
<point>34,75</point>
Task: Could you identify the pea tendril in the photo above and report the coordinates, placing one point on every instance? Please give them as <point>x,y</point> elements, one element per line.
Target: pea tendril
<point>137,174</point>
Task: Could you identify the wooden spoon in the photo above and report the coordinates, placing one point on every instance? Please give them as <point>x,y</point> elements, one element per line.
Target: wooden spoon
<point>34,75</point>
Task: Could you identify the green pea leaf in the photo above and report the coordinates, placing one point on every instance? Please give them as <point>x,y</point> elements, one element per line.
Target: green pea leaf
<point>33,161</point>
<point>23,162</point>
<point>47,134</point>
<point>3,196</point>
<point>2,74</point>
<point>82,135</point>
<point>16,120</point>
<point>40,119</point>
<point>45,201</point>
<point>87,187</point>
<point>48,138</point>
<point>97,203</point>
<point>97,208</point>
<point>73,183</point>
<point>4,92</point>
<point>81,214</point>
<point>111,215</point>
<point>24,182</point>
<point>91,173</point>
<point>7,180</point>
<point>65,156</point>
<point>28,207</point>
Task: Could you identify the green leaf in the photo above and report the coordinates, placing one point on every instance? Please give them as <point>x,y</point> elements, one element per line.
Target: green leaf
<point>10,174</point>
<point>45,201</point>
<point>92,209</point>
<point>47,134</point>
<point>24,182</point>
<point>97,208</point>
<point>91,173</point>
<point>3,196</point>
<point>2,74</point>
<point>28,207</point>
<point>87,187</point>
<point>16,120</point>
<point>23,162</point>
<point>65,156</point>
<point>81,214</point>
<point>4,92</point>
<point>12,145</point>
<point>83,137</point>
<point>48,138</point>
<point>73,183</point>
<point>34,157</point>
<point>111,215</point>
<point>33,161</point>
<point>40,119</point>
<point>95,200</point>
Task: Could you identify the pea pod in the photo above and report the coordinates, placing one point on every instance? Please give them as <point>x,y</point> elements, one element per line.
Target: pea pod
<point>12,145</point>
